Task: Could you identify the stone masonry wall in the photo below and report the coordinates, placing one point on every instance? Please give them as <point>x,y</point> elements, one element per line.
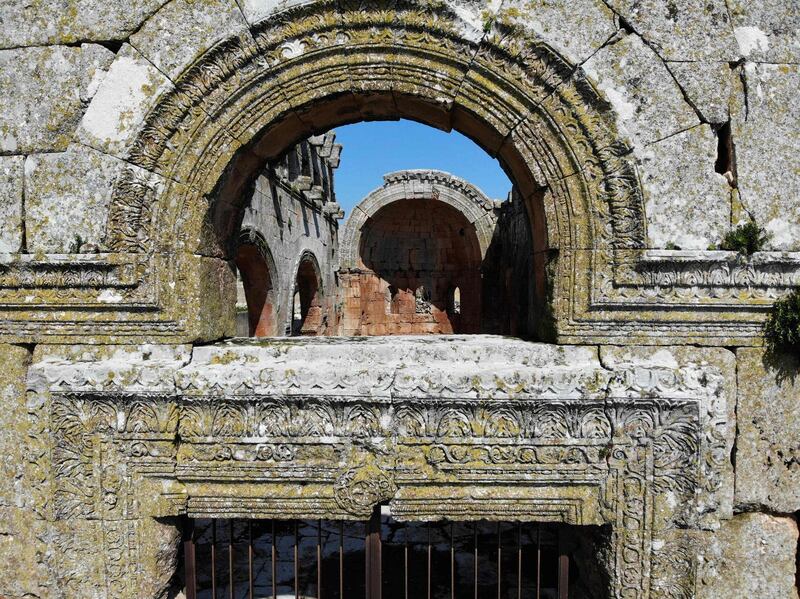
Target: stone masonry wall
<point>293,210</point>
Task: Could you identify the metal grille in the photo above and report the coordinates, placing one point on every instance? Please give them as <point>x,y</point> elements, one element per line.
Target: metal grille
<point>377,559</point>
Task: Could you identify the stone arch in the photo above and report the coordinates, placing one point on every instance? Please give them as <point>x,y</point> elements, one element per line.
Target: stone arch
<point>419,184</point>
<point>315,67</point>
<point>309,291</point>
<point>256,265</point>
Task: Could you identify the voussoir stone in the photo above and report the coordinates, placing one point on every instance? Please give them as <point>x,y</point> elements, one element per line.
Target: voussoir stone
<point>11,186</point>
<point>707,86</point>
<point>67,199</point>
<point>691,211</point>
<point>767,30</point>
<point>118,109</point>
<point>26,23</point>
<point>768,439</point>
<point>44,93</point>
<point>682,29</point>
<point>764,128</point>
<point>575,29</point>
<point>753,556</point>
<point>183,30</point>
<point>647,102</point>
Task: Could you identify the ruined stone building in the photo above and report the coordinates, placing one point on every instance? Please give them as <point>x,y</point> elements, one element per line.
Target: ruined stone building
<point>214,386</point>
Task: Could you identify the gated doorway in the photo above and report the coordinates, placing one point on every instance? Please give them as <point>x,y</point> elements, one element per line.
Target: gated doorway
<point>377,559</point>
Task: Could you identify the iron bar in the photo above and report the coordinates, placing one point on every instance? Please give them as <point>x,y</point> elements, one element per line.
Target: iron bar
<point>499,561</point>
<point>213,559</point>
<point>429,560</point>
<point>189,559</point>
<point>341,559</point>
<point>538,561</point>
<point>563,569</point>
<point>296,561</point>
<point>319,559</point>
<point>251,594</point>
<point>519,560</point>
<point>452,565</point>
<point>230,559</point>
<point>475,557</point>
<point>274,563</point>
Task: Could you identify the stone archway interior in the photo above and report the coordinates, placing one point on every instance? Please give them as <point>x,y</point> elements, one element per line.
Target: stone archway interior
<point>413,254</point>
<point>257,282</point>
<point>308,320</point>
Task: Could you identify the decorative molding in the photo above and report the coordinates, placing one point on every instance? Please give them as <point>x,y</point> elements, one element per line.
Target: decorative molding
<point>641,453</point>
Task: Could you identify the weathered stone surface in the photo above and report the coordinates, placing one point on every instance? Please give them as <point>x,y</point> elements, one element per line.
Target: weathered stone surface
<point>768,439</point>
<point>691,211</point>
<point>764,127</point>
<point>707,86</point>
<point>183,29</point>
<point>44,92</point>
<point>753,556</point>
<point>647,103</point>
<point>11,186</point>
<point>257,10</point>
<point>575,29</point>
<point>21,571</point>
<point>67,196</point>
<point>25,23</point>
<point>683,29</point>
<point>767,30</point>
<point>116,112</point>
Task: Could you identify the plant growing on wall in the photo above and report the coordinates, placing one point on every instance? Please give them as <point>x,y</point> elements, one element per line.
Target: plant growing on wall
<point>746,239</point>
<point>782,329</point>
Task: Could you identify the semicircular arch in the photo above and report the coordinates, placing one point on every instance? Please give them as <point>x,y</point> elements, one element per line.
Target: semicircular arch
<point>468,200</point>
<point>313,68</point>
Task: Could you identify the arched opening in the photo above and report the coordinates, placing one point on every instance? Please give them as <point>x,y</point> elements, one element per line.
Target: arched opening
<point>417,249</point>
<point>308,318</point>
<point>246,101</point>
<point>255,283</point>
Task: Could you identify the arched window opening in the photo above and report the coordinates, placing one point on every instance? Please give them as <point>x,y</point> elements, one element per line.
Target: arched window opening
<point>454,304</point>
<point>255,302</point>
<point>307,313</point>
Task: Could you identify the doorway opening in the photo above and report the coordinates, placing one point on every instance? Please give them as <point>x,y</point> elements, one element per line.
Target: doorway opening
<point>378,559</point>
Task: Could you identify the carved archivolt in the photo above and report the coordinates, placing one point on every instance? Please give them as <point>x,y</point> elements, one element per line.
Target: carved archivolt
<point>325,63</point>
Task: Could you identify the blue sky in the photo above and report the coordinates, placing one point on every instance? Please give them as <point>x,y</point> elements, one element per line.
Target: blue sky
<point>375,148</point>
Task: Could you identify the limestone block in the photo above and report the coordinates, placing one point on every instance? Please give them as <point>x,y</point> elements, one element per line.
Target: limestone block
<point>707,86</point>
<point>711,375</point>
<point>686,202</point>
<point>19,568</point>
<point>646,100</point>
<point>117,111</point>
<point>26,23</point>
<point>67,199</point>
<point>682,29</point>
<point>574,29</point>
<point>11,186</point>
<point>768,440</point>
<point>160,541</point>
<point>184,29</point>
<point>767,30</point>
<point>764,128</point>
<point>258,10</point>
<point>141,368</point>
<point>44,91</point>
<point>753,556</point>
